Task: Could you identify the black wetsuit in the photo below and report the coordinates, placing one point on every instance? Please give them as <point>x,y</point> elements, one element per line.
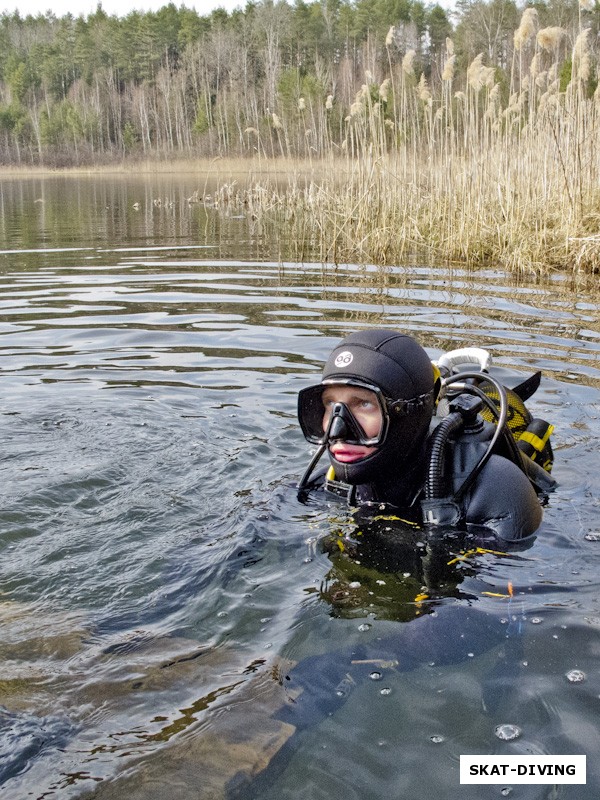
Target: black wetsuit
<point>502,497</point>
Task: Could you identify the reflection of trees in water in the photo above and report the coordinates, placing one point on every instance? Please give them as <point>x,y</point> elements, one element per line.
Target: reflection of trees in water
<point>444,307</point>
<point>111,210</point>
<point>447,308</point>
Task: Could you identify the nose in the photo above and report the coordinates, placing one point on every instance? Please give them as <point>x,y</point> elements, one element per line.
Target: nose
<point>337,429</point>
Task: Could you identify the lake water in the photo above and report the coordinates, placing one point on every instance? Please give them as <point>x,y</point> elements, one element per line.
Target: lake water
<point>171,624</point>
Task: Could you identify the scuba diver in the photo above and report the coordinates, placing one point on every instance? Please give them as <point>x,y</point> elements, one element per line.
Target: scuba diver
<point>434,464</point>
<point>446,448</point>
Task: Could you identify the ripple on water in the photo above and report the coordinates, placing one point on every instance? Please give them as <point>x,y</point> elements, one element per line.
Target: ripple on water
<point>111,507</point>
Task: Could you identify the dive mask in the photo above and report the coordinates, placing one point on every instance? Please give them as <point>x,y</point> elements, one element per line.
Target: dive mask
<point>324,421</point>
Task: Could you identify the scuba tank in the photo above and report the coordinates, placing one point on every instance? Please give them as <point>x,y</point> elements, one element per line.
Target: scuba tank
<point>532,435</point>
<point>480,417</point>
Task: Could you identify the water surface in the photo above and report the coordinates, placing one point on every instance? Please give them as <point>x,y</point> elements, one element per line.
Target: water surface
<point>159,579</point>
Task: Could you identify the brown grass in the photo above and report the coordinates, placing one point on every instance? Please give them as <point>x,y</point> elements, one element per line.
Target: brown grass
<point>457,177</point>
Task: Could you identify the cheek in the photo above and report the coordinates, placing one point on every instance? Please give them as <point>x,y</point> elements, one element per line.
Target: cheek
<point>371,424</point>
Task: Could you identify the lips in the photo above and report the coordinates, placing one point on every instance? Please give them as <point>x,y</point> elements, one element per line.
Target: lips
<point>349,453</point>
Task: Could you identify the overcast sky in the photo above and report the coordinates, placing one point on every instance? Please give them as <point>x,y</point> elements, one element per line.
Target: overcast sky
<point>120,7</point>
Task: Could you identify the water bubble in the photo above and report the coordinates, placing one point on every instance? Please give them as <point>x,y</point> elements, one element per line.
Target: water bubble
<point>364,627</point>
<point>222,614</point>
<point>307,560</point>
<point>576,676</point>
<point>506,791</point>
<point>385,691</point>
<point>592,536</point>
<point>437,739</point>
<point>507,732</point>
<point>376,676</point>
<point>536,620</point>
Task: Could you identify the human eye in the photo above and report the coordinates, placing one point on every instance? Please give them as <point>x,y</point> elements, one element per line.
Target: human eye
<point>365,404</point>
<point>327,401</point>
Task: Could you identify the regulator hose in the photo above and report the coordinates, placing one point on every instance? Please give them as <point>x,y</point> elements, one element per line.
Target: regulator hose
<point>435,487</point>
<point>309,470</point>
<point>515,453</point>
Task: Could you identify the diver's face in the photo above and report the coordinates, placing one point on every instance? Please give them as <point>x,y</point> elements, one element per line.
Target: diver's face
<point>365,409</point>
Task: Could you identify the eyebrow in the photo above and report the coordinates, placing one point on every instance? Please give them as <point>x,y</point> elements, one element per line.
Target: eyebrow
<point>364,394</point>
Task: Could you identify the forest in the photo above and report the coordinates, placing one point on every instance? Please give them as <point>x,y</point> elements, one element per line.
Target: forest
<point>271,79</point>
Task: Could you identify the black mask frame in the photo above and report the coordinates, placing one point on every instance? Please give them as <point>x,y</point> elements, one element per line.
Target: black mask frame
<point>343,425</point>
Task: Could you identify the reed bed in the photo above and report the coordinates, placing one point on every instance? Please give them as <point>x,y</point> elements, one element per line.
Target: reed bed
<point>492,173</point>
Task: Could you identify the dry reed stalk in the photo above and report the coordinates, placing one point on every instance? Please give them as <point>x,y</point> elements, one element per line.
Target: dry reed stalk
<point>459,175</point>
<point>527,28</point>
<point>550,38</point>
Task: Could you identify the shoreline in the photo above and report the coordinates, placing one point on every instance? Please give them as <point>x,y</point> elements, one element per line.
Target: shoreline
<point>204,166</point>
<point>382,210</point>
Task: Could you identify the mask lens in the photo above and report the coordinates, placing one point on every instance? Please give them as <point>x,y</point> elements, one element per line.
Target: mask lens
<point>363,411</point>
<point>310,413</point>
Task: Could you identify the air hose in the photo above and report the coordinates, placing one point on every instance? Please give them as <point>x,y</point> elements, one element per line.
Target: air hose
<point>435,485</point>
<point>309,470</point>
<point>441,505</point>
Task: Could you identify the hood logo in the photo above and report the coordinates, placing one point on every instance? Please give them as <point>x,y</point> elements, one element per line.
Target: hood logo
<point>343,359</point>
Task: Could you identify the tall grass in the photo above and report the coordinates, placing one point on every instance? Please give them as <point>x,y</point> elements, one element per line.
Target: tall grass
<point>473,170</point>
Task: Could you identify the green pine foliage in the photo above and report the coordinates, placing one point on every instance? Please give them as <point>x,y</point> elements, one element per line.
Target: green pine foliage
<point>172,82</point>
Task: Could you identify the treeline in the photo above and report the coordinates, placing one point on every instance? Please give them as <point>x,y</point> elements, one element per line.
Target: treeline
<point>274,78</point>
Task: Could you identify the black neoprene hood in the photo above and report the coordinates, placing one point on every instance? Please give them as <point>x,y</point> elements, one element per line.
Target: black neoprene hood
<point>402,370</point>
<point>393,361</point>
